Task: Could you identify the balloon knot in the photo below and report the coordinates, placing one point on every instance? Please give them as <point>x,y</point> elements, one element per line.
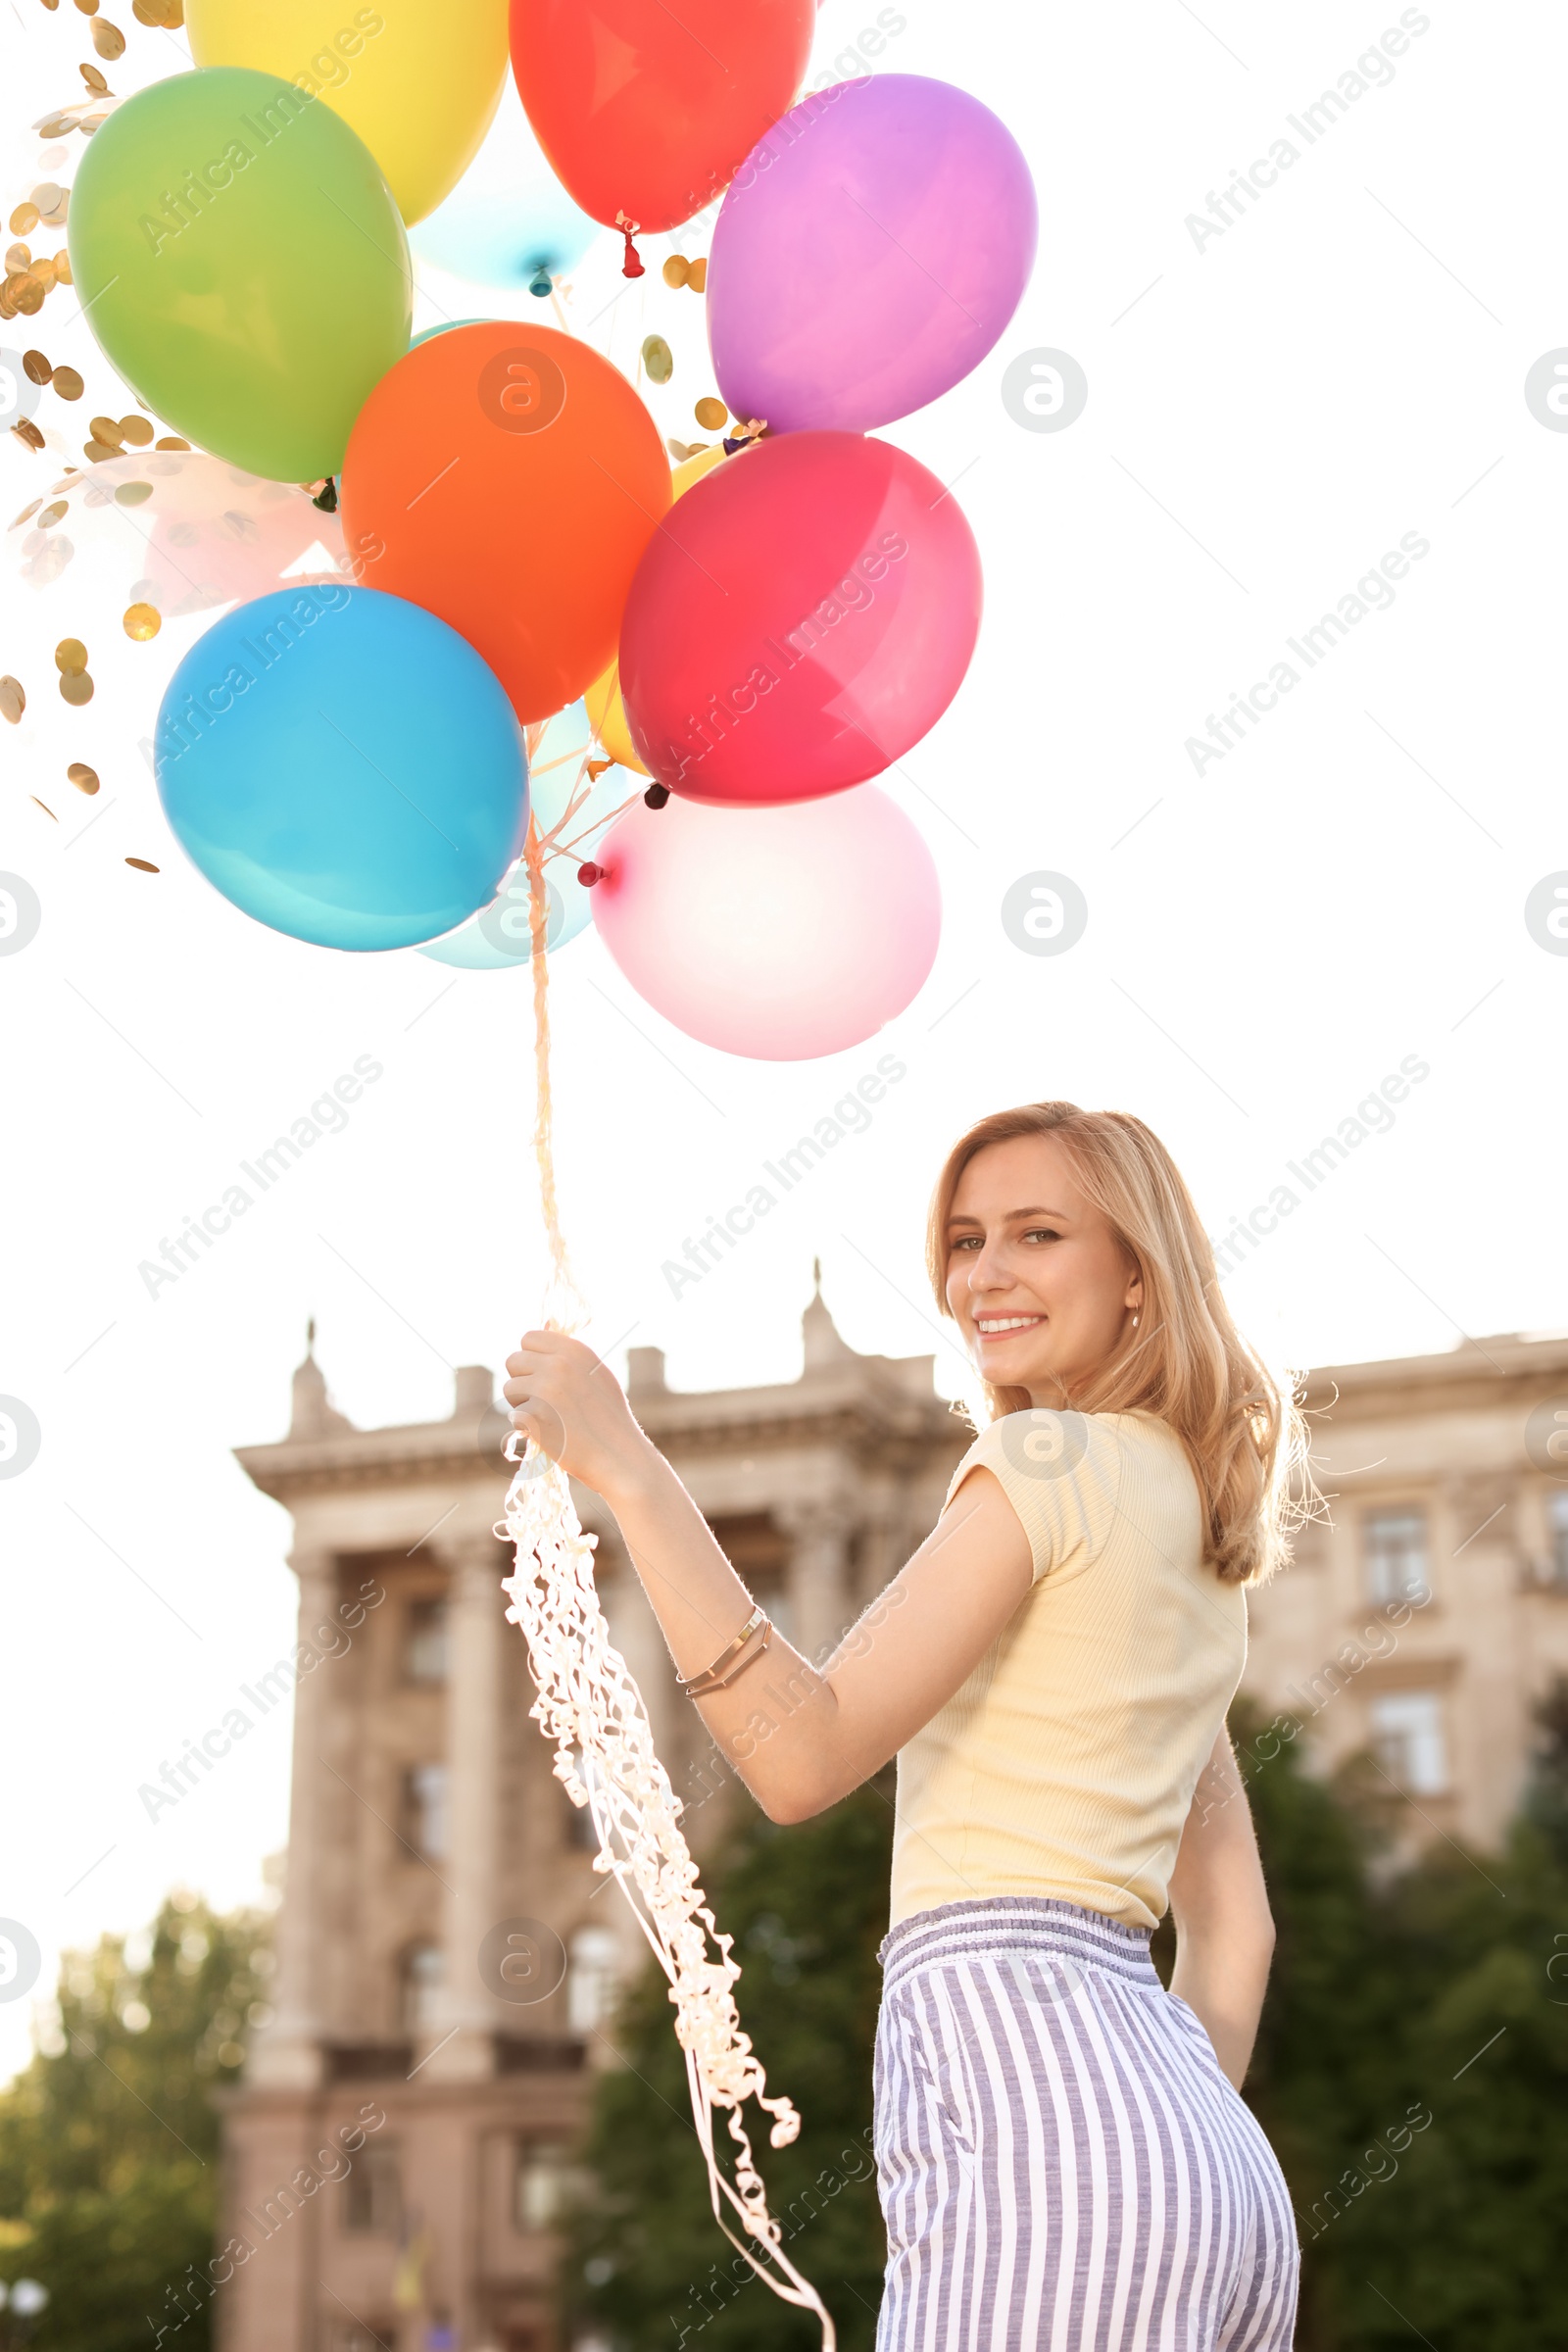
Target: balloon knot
<point>657,795</point>
<point>540,282</point>
<point>326,497</point>
<point>598,768</point>
<point>589,875</point>
<point>631,265</point>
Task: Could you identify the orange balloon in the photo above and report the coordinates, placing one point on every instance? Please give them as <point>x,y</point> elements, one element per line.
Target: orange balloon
<point>647,110</point>
<point>607,712</point>
<point>508,478</point>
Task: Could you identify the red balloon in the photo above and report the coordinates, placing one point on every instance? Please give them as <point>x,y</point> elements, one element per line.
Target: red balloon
<point>799,619</point>
<point>647,111</point>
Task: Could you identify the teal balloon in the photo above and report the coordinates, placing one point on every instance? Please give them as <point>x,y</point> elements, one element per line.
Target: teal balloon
<point>508,222</point>
<point>502,935</point>
<point>242,265</point>
<point>343,766</point>
<point>426,333</point>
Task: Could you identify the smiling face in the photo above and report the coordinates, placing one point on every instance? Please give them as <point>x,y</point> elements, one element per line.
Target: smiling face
<point>1037,1281</point>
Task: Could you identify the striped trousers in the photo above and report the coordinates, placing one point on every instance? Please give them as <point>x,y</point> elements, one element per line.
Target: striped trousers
<point>1060,2161</point>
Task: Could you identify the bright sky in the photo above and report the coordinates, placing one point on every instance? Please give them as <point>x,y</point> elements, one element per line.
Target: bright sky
<point>1271,410</point>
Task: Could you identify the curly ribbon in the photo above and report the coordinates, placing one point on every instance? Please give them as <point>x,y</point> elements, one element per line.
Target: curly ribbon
<point>591,1708</point>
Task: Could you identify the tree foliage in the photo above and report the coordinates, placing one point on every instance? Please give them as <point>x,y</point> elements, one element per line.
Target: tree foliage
<point>109,2139</point>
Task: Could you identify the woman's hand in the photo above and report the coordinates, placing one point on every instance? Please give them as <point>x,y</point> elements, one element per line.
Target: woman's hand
<point>569,1401</point>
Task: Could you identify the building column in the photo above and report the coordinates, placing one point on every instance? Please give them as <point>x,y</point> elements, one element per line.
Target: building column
<point>818,1578</point>
<point>470,2012</point>
<point>287,2053</point>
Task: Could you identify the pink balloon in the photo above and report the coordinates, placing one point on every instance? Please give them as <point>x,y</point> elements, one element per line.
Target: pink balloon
<point>782,933</point>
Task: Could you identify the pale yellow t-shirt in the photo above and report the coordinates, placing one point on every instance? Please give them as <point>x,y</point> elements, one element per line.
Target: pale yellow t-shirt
<point>1065,1765</point>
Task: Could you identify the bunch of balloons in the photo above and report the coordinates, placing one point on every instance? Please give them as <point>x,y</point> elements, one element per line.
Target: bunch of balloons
<point>707,668</point>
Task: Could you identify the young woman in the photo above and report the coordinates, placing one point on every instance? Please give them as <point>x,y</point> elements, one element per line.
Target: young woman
<point>1064,2157</point>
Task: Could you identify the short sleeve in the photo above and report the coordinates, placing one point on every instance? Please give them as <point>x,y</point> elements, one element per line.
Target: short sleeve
<point>1060,1471</point>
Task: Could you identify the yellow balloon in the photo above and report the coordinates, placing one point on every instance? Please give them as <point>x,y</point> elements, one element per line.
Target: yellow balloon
<point>607,712</point>
<point>418,79</point>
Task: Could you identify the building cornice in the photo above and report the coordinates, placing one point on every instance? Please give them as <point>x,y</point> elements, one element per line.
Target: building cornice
<point>1478,1373</point>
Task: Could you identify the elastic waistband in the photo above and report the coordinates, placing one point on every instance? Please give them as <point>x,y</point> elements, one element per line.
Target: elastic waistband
<point>1016,1924</point>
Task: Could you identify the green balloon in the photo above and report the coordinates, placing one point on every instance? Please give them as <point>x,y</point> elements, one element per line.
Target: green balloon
<point>242,264</point>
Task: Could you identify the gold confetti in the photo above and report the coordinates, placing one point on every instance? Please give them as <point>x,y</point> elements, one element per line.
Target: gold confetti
<point>107,39</point>
<point>19,257</point>
<point>104,429</point>
<point>56,126</point>
<point>172,441</point>
<point>52,515</point>
<point>709,414</point>
<point>94,81</point>
<point>24,217</point>
<point>26,515</point>
<point>133,494</point>
<point>657,359</point>
<point>43,270</point>
<point>135,429</point>
<point>84,778</point>
<point>44,805</point>
<point>13,701</point>
<point>677,270</point>
<point>25,293</point>
<point>49,198</point>
<point>35,368</point>
<point>169,14</point>
<point>143,865</point>
<point>25,431</point>
<point>67,383</point>
<point>70,655</point>
<point>93,121</point>
<point>142,621</point>
<point>62,276</point>
<point>76,688</point>
<point>98,450</point>
<point>697,278</point>
<point>89,8</point>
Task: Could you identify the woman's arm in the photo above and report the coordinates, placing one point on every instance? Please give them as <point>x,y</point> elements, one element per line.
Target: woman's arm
<point>1224,1932</point>
<point>800,1738</point>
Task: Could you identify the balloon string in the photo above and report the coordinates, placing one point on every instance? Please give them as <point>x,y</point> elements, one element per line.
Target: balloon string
<point>590,1707</point>
<point>567,1307</point>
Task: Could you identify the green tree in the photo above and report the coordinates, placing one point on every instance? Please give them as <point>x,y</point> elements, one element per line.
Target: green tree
<point>109,2139</point>
<point>808,1908</point>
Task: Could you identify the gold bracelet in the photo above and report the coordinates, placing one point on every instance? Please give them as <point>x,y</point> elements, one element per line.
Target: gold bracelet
<point>697,1686</point>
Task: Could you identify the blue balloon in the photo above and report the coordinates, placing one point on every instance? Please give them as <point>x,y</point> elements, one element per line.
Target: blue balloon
<point>508,222</point>
<point>343,766</point>
<point>503,934</point>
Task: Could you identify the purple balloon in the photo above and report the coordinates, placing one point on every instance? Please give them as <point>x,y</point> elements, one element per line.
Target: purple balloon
<point>868,253</point>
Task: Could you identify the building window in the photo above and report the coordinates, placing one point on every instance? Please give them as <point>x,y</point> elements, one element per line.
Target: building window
<point>1557,1536</point>
<point>421,1974</point>
<point>425,1644</point>
<point>425,1810</point>
<point>544,2180</point>
<point>592,1978</point>
<point>1395,1549</point>
<point>1407,1728</point>
<point>372,2193</point>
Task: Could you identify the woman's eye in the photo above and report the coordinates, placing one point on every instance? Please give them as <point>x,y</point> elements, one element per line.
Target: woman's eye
<point>1043,1233</point>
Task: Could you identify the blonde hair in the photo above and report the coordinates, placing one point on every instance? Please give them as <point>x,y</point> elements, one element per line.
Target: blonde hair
<point>1185,1362</point>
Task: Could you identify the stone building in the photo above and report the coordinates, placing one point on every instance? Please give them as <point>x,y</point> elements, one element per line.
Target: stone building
<point>445,1948</point>
<point>1418,1628</point>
